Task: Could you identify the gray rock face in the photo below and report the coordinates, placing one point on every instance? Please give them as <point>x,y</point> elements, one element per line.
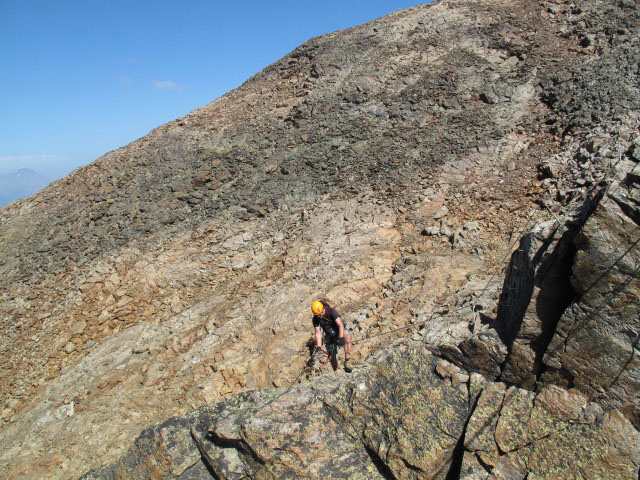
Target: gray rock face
<point>595,347</point>
<point>401,416</point>
<point>391,167</point>
<point>535,294</point>
<point>568,311</point>
<point>346,427</point>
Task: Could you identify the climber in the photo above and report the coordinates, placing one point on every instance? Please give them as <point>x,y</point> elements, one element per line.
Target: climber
<point>327,321</point>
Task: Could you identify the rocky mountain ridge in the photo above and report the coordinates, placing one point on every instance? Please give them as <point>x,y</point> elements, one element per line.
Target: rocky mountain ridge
<point>388,166</point>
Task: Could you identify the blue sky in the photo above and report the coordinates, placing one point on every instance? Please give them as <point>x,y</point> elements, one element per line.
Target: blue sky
<point>81,78</point>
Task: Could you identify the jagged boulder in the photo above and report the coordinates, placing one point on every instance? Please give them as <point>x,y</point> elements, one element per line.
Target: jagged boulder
<point>360,426</point>
<point>596,342</point>
<point>517,434</point>
<point>536,292</point>
<point>407,414</point>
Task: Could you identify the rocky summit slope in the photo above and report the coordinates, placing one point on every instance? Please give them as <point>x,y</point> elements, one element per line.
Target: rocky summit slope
<point>460,178</point>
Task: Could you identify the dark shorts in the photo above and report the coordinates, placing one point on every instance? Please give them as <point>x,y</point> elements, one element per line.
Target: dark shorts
<point>346,332</point>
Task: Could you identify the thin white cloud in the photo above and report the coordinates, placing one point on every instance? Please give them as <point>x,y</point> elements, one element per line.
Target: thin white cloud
<point>167,85</point>
<point>125,81</point>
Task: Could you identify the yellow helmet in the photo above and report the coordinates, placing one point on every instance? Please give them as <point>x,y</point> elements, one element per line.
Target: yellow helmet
<point>317,307</point>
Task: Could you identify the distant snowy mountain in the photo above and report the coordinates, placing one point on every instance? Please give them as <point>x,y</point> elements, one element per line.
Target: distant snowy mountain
<point>20,184</point>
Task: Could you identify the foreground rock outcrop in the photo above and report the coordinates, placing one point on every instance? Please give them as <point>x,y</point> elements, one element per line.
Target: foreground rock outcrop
<point>407,414</point>
<point>460,178</point>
